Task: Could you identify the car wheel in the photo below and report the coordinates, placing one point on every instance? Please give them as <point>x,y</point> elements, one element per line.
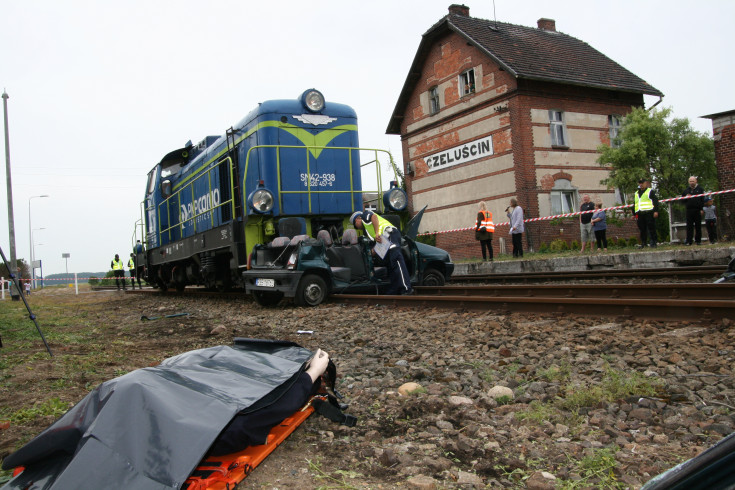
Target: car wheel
<point>267,298</point>
<point>433,277</point>
<point>312,291</point>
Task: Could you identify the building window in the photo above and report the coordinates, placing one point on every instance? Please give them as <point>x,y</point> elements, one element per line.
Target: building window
<point>563,197</point>
<point>613,123</point>
<point>434,100</point>
<point>467,82</point>
<point>558,129</point>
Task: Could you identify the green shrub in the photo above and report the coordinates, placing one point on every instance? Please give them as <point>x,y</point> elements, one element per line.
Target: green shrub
<point>633,241</point>
<point>558,245</point>
<point>427,239</point>
<point>544,248</point>
<point>575,245</point>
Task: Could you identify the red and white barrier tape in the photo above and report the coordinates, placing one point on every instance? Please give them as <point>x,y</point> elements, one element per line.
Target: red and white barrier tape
<point>567,215</point>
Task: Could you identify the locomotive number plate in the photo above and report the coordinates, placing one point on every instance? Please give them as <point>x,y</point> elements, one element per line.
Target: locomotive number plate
<point>266,283</point>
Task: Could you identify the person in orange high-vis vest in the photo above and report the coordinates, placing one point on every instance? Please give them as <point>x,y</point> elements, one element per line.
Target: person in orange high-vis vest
<point>484,229</point>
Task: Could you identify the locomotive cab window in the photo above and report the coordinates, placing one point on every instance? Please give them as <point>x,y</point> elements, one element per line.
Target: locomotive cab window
<point>151,181</point>
<point>166,188</point>
<point>171,169</point>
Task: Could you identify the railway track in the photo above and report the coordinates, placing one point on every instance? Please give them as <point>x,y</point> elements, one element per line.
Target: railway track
<point>675,301</point>
<point>672,273</point>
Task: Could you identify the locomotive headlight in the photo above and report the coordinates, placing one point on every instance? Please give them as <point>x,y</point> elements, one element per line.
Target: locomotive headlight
<point>261,200</point>
<point>313,100</point>
<point>395,198</point>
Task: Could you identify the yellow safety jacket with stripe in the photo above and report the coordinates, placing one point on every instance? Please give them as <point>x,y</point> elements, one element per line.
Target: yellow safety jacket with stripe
<point>644,201</point>
<point>382,225</point>
<point>117,265</point>
<point>487,222</point>
<point>131,264</point>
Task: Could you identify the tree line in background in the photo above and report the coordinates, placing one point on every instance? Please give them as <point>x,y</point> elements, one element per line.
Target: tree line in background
<point>666,150</point>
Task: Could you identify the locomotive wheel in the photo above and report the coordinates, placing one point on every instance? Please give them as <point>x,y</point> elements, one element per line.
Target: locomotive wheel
<point>433,277</point>
<point>267,298</point>
<point>312,291</point>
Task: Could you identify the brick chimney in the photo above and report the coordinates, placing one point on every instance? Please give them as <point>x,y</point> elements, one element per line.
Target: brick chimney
<point>460,10</point>
<point>545,24</point>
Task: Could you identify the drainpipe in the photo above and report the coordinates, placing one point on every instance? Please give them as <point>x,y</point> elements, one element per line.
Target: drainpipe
<point>660,98</point>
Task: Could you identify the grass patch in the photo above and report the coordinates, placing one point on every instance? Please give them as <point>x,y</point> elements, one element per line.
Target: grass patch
<point>616,384</point>
<point>595,471</point>
<point>53,407</point>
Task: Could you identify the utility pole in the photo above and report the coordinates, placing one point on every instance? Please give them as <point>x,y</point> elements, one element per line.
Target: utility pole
<point>14,293</point>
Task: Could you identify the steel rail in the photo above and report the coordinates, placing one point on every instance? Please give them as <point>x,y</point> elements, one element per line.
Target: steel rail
<point>689,291</point>
<point>617,301</point>
<point>690,272</point>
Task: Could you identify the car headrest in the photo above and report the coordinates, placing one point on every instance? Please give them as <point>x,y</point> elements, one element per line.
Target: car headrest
<point>349,237</point>
<point>325,237</point>
<point>298,239</point>
<point>280,241</point>
<point>291,227</point>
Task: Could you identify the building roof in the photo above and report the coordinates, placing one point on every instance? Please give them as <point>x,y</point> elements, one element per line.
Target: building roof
<point>525,52</point>
<point>718,114</point>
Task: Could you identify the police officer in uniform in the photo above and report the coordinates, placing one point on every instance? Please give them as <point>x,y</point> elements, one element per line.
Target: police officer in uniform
<point>117,269</point>
<point>131,269</point>
<point>646,210</point>
<point>376,228</point>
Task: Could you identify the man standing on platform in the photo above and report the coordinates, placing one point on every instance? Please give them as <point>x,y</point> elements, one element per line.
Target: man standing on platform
<point>585,222</point>
<point>646,210</point>
<point>694,211</point>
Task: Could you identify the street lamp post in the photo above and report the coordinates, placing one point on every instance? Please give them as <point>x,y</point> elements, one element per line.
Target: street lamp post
<point>33,256</point>
<point>30,237</point>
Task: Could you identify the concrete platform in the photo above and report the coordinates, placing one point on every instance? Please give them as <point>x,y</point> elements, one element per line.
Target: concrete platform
<point>684,256</point>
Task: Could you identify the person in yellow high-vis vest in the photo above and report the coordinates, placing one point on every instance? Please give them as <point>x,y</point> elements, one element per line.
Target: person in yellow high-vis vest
<point>131,269</point>
<point>117,268</point>
<point>646,211</point>
<point>377,229</point>
<point>484,231</point>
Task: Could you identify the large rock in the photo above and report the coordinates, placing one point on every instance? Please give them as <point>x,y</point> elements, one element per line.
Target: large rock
<point>408,388</point>
<point>500,391</point>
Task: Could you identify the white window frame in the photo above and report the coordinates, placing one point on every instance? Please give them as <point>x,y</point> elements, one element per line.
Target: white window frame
<point>614,123</point>
<point>558,129</point>
<point>467,82</point>
<point>434,105</point>
<point>563,197</point>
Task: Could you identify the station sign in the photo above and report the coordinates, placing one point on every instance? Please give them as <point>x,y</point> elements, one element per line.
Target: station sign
<point>460,154</point>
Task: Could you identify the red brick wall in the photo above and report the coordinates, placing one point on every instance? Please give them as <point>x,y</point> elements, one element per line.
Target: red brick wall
<point>463,246</point>
<point>725,156</point>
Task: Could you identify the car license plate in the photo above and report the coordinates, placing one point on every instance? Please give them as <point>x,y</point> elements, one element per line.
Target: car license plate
<point>266,283</point>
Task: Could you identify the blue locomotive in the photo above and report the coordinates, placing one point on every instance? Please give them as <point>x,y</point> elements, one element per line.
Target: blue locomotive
<point>290,167</point>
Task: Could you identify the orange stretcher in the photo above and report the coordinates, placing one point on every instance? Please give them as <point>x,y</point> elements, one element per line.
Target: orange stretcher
<point>225,472</point>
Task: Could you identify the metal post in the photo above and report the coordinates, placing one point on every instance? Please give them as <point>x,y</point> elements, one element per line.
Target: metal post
<point>11,222</point>
<point>66,256</point>
<point>30,237</point>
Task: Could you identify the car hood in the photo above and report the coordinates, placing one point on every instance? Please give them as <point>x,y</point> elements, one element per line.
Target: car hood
<point>412,228</point>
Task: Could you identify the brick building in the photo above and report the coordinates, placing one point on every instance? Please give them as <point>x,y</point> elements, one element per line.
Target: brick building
<point>723,131</point>
<point>491,110</point>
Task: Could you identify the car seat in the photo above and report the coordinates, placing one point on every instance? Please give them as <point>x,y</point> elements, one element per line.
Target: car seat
<point>352,257</point>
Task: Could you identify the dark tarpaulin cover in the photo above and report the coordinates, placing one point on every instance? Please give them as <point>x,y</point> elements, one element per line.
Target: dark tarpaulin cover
<point>150,428</point>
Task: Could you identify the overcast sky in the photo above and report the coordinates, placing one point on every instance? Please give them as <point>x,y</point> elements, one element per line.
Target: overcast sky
<point>100,91</point>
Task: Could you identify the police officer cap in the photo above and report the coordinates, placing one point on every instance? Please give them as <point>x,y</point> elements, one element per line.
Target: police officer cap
<point>354,216</point>
<point>642,180</point>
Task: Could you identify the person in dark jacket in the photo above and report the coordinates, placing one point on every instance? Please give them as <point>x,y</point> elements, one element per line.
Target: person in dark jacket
<point>252,428</point>
<point>694,207</point>
<point>484,230</point>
